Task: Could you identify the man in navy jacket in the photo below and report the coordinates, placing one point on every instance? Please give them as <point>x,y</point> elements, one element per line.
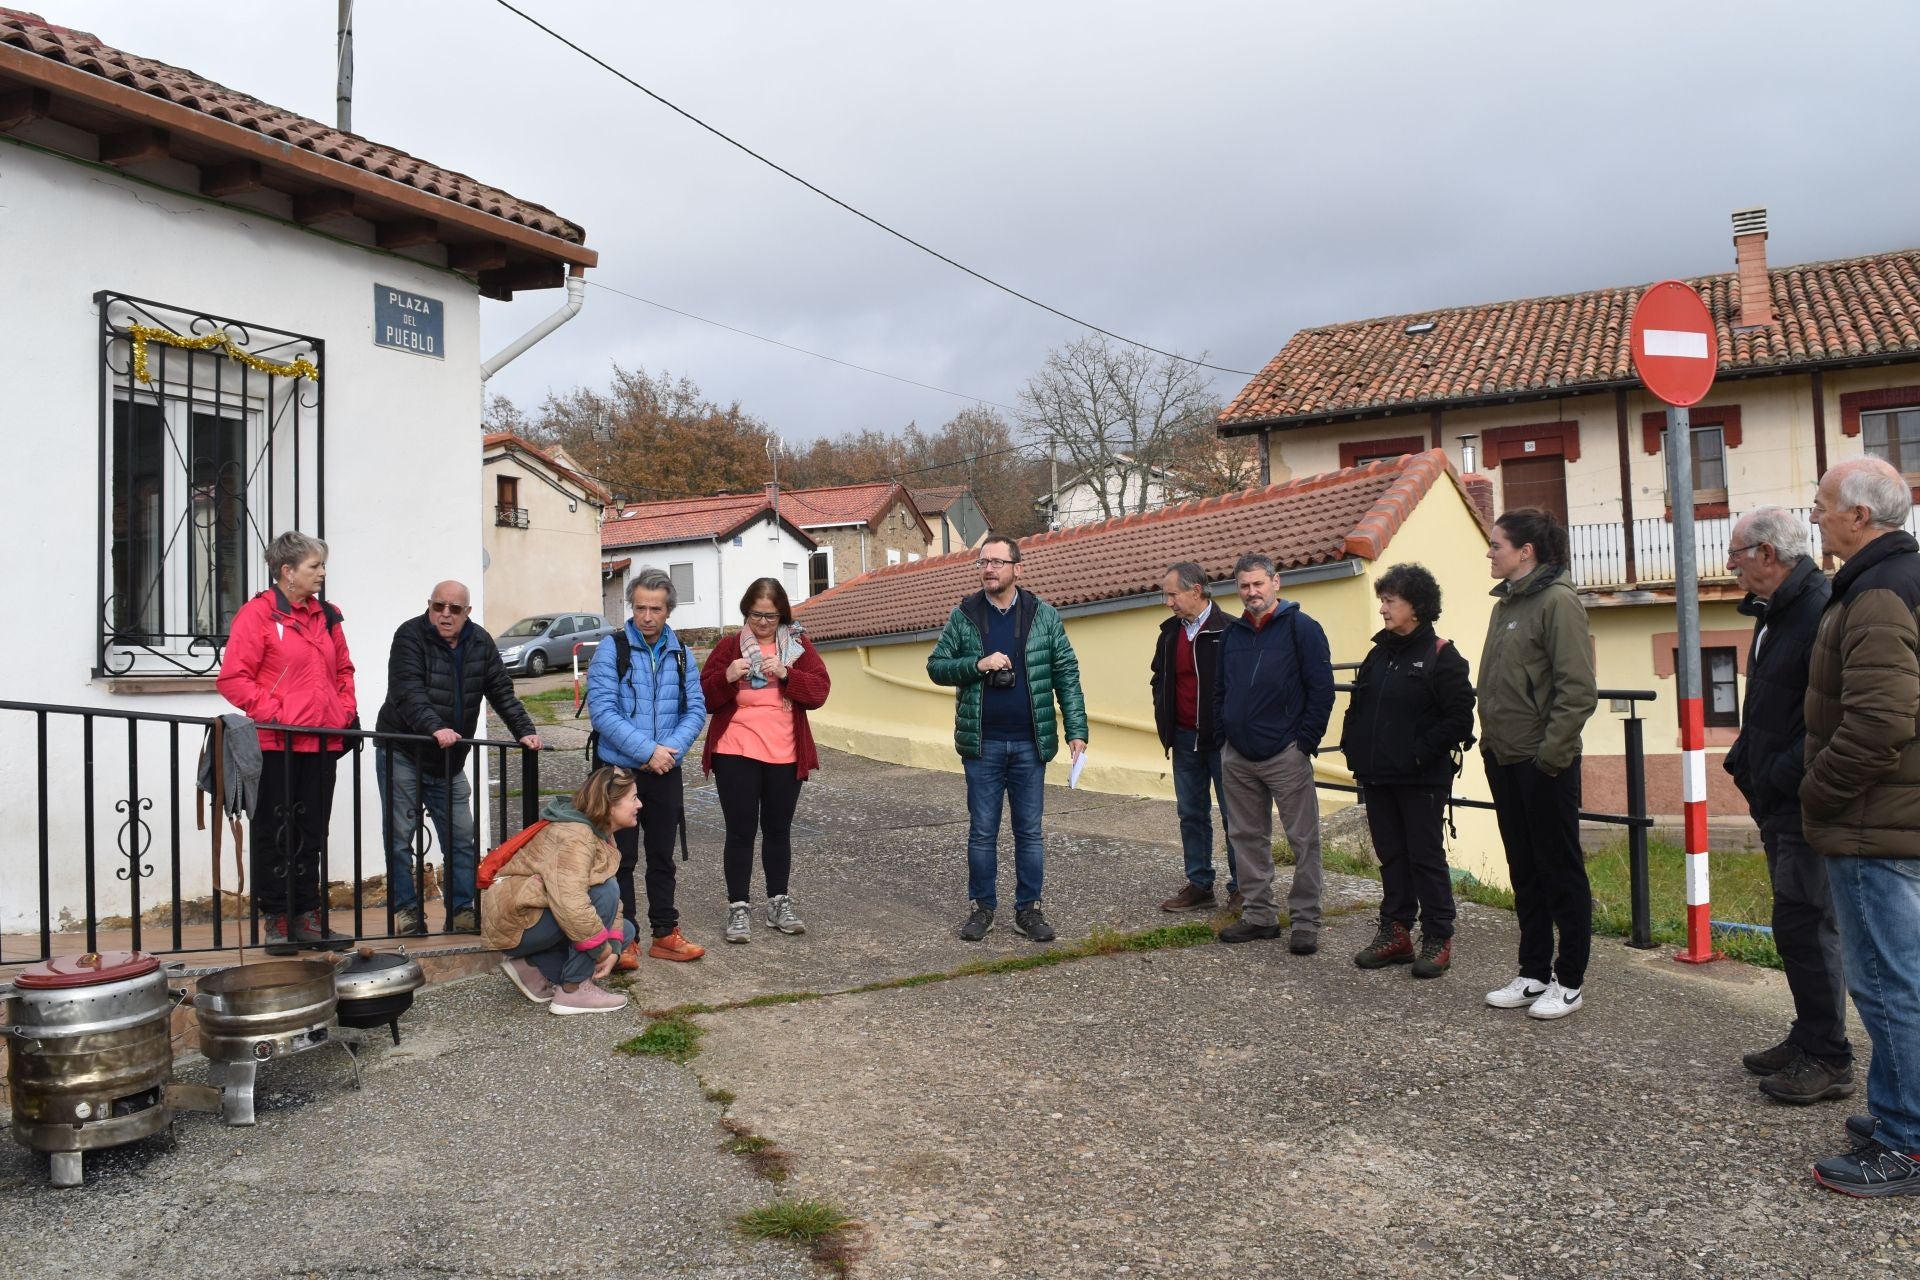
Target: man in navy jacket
<point>1272,698</point>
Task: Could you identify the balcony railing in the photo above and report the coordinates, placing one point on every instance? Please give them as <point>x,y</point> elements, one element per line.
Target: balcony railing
<point>1599,551</point>
<point>510,517</point>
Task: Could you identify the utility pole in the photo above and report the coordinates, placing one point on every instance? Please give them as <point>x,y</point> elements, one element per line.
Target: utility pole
<point>343,86</point>
<point>773,456</point>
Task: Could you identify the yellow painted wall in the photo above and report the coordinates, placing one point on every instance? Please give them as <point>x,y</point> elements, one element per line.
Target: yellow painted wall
<point>551,566</point>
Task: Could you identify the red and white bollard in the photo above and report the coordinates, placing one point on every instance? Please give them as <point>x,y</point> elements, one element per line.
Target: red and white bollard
<point>1693,798</point>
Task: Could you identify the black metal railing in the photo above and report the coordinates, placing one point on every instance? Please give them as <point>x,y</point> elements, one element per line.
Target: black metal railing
<point>1635,819</point>
<point>510,517</point>
<point>115,791</point>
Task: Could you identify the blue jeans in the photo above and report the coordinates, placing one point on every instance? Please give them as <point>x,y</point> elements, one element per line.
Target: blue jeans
<point>1011,771</point>
<point>404,787</point>
<point>1876,903</point>
<point>546,946</point>
<point>1196,784</point>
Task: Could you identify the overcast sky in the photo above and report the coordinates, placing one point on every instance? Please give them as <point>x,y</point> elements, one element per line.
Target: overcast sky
<point>1206,177</point>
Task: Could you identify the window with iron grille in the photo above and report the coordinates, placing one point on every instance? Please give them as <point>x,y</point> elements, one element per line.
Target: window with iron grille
<point>210,446</point>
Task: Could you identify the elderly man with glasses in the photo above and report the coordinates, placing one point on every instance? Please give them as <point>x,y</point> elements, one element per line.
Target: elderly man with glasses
<point>441,665</point>
<point>1006,652</point>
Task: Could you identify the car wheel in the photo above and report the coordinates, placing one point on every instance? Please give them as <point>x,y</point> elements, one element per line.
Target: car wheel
<point>537,663</point>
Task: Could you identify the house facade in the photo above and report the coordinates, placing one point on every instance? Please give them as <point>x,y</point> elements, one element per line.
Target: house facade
<point>955,515</point>
<point>1127,489</point>
<point>712,548</point>
<point>857,527</point>
<point>1818,362</point>
<point>539,530</point>
<point>232,322</point>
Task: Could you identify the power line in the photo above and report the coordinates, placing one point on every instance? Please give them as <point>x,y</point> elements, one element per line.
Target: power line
<point>863,216</point>
<point>745,333</point>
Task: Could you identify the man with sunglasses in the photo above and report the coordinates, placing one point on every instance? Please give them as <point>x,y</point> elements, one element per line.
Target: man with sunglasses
<point>441,665</point>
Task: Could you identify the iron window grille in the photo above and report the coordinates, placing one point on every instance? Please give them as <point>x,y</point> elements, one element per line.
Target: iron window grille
<point>510,517</point>
<point>202,463</point>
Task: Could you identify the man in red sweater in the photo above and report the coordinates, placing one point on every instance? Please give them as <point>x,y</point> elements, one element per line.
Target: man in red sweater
<point>1184,661</point>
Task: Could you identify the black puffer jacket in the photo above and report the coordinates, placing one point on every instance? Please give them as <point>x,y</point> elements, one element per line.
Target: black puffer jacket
<point>1768,760</point>
<point>425,693</point>
<point>1412,706</point>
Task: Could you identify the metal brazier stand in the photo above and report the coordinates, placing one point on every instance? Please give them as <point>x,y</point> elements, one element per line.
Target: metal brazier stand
<point>259,1012</point>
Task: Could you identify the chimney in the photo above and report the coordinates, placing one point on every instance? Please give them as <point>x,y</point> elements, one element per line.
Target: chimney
<point>1750,262</point>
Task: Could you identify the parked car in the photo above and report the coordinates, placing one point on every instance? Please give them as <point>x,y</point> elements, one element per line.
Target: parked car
<point>532,645</point>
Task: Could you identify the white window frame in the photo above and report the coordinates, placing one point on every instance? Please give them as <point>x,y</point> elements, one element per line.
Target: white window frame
<point>691,591</point>
<point>1889,414</point>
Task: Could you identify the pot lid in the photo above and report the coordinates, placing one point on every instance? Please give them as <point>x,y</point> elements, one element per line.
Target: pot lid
<point>89,970</point>
<point>383,973</point>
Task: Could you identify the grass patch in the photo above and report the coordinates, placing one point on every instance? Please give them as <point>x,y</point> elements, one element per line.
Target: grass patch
<point>768,1160</point>
<point>778,997</point>
<point>896,984</point>
<point>676,1039</point>
<point>1742,893</point>
<point>550,696</point>
<point>802,1221</point>
<point>723,1097</point>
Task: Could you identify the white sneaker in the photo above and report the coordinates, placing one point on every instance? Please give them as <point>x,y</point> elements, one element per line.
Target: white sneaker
<point>739,922</point>
<point>1558,1002</point>
<point>780,915</point>
<point>1517,994</point>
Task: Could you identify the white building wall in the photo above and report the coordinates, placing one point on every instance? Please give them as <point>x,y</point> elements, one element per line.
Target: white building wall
<point>401,467</point>
<point>721,573</point>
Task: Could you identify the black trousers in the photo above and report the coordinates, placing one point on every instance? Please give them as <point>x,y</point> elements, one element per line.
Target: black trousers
<point>661,802</point>
<point>756,795</point>
<point>290,830</point>
<point>1808,941</point>
<point>1405,823</point>
<point>1539,821</point>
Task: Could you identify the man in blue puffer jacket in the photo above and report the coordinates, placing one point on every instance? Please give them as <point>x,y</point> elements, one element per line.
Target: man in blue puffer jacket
<point>1272,698</point>
<point>646,719</point>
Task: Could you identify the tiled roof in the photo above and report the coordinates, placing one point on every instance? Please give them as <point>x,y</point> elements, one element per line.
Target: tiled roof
<point>645,524</point>
<point>842,504</point>
<point>1828,311</point>
<point>514,444</point>
<point>1313,520</point>
<point>936,500</point>
<point>126,84</point>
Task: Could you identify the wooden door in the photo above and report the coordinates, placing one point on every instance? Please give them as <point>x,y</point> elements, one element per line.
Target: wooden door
<point>1535,482</point>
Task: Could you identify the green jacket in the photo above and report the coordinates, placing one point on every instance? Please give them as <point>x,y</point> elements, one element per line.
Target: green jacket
<point>1536,672</point>
<point>1052,672</point>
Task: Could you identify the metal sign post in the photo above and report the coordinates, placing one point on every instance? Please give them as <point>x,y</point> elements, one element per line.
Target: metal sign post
<point>1676,351</point>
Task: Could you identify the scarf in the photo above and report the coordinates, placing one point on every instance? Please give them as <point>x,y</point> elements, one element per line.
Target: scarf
<point>786,648</point>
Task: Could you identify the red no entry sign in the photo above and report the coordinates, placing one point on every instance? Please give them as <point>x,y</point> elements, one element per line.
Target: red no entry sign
<point>1675,351</point>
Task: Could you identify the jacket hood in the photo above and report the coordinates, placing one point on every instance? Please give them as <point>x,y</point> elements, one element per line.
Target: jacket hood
<point>1539,580</point>
<point>1791,588</point>
<point>1887,544</point>
<point>1280,607</point>
<point>560,809</point>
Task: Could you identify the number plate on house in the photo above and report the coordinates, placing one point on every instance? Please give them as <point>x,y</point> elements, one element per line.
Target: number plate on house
<point>409,321</point>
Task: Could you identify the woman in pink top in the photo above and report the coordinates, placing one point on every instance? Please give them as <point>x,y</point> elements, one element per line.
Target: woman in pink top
<point>759,684</point>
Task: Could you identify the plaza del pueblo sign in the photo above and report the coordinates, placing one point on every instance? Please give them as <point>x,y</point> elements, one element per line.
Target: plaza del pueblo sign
<point>409,321</point>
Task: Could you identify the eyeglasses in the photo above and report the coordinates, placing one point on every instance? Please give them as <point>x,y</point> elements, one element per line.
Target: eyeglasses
<point>1740,551</point>
<point>993,562</point>
<point>761,615</point>
<point>441,606</point>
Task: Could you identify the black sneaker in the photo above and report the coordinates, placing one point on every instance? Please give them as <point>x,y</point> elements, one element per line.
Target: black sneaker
<point>1766,1062</point>
<point>979,924</point>
<point>1029,923</point>
<point>1871,1168</point>
<point>1242,931</point>
<point>1808,1079</point>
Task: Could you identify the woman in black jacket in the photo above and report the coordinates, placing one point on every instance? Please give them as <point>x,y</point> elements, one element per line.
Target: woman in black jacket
<point>1411,709</point>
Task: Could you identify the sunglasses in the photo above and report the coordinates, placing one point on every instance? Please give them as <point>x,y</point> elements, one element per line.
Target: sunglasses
<point>441,606</point>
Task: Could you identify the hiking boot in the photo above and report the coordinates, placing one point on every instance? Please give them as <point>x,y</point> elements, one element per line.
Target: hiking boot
<point>588,997</point>
<point>1872,1168</point>
<point>532,985</point>
<point>674,946</point>
<point>629,960</point>
<point>1766,1062</point>
<point>1808,1079</point>
<point>1392,945</point>
<point>739,922</point>
<point>1555,1002</point>
<point>1029,923</point>
<point>780,914</point>
<point>462,921</point>
<point>408,923</point>
<point>310,930</point>
<point>1517,994</point>
<point>1244,931</point>
<point>979,924</point>
<point>1236,900</point>
<point>1436,956</point>
<point>1303,942</point>
<point>274,938</point>
<point>1191,898</point>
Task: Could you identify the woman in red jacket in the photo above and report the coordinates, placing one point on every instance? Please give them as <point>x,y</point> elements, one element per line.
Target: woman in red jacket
<point>759,684</point>
<point>286,662</point>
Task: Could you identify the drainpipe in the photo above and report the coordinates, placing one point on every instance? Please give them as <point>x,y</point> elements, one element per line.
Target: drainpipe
<point>719,585</point>
<point>576,297</point>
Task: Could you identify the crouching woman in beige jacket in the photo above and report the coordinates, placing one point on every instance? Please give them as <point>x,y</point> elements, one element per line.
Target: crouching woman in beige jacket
<point>554,908</point>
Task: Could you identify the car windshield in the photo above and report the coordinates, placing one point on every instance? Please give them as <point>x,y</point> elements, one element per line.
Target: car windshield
<point>527,627</point>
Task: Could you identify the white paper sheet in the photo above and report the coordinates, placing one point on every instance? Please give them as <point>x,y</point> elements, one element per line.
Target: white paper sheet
<point>1073,777</point>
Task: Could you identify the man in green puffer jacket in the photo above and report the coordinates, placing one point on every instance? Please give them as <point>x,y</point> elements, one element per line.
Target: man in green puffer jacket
<point>1006,652</point>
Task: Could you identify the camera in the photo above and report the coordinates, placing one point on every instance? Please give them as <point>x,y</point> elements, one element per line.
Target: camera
<point>1003,678</point>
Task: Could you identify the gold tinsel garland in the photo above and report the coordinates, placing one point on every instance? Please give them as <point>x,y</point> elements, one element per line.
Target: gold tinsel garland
<point>141,335</point>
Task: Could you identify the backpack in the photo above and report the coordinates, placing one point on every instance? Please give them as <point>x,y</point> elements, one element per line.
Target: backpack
<point>623,663</point>
<point>498,858</point>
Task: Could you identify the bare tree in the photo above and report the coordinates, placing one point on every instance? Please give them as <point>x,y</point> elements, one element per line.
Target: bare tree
<point>1119,416</point>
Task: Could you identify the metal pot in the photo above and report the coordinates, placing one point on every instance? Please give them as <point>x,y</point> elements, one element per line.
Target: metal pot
<point>376,987</point>
<point>90,1054</point>
<point>260,1011</point>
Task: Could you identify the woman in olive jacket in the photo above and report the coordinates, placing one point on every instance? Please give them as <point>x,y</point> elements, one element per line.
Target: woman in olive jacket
<point>1410,713</point>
